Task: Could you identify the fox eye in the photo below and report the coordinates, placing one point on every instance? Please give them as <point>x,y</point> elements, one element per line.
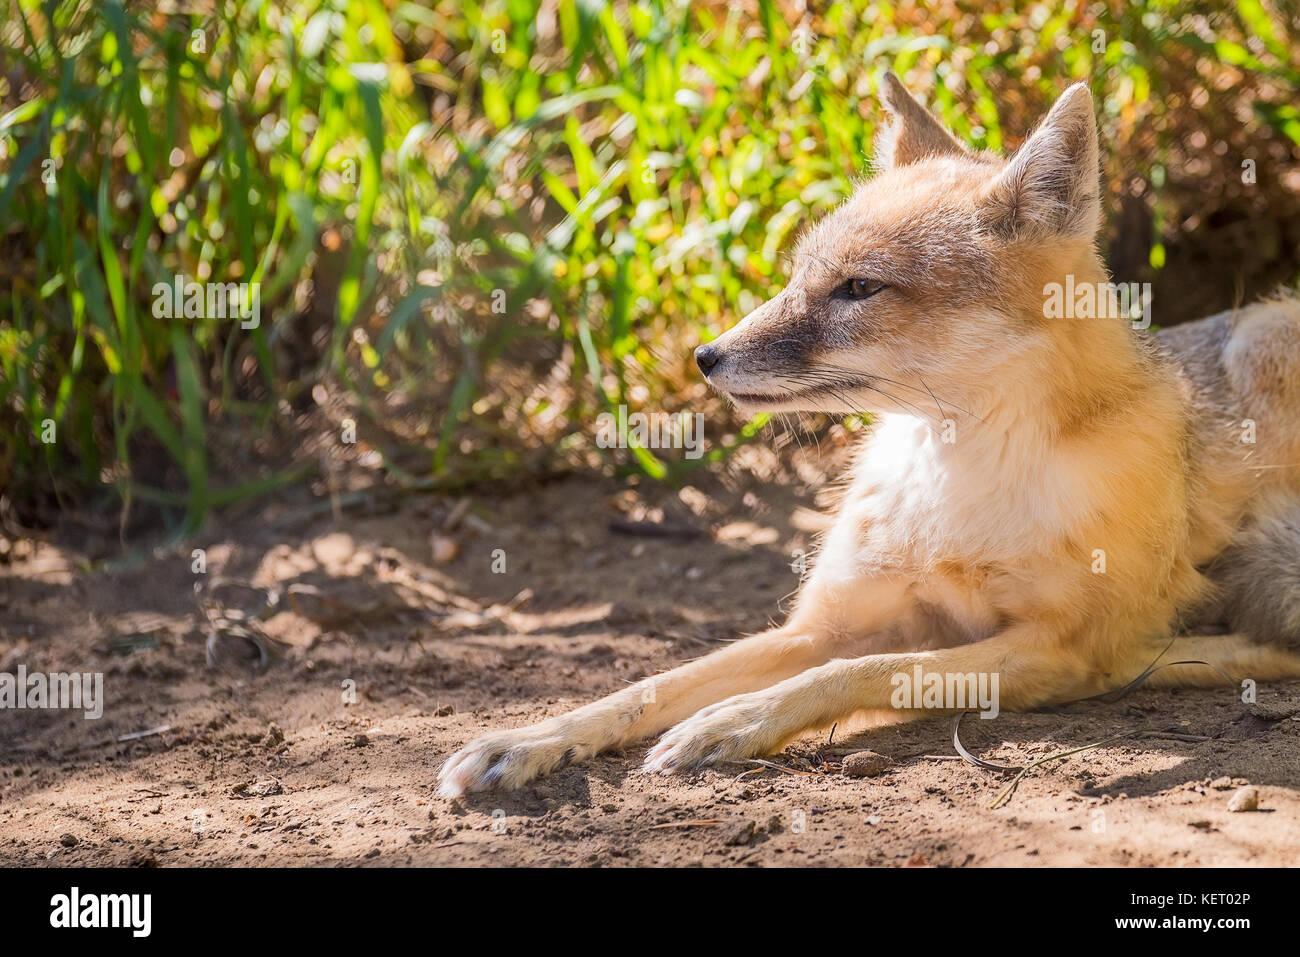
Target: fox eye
<point>858,289</point>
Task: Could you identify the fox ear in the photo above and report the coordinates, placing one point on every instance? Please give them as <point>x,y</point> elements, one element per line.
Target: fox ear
<point>914,133</point>
<point>1050,188</point>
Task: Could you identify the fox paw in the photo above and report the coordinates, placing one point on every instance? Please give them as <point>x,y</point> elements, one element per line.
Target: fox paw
<point>732,730</point>
<point>506,760</point>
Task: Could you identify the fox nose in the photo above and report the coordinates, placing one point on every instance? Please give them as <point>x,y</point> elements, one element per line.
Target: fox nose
<point>707,358</point>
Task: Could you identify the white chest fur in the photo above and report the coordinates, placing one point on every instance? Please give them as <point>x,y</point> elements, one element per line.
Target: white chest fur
<point>977,527</point>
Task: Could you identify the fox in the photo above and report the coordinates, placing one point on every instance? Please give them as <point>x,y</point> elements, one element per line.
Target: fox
<point>1065,504</point>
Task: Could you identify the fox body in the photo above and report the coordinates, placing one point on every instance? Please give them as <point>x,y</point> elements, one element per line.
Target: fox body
<point>1057,502</point>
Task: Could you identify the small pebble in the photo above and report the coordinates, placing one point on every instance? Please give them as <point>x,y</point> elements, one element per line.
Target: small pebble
<point>443,549</point>
<point>739,834</point>
<point>266,788</point>
<point>1246,799</point>
<point>865,764</point>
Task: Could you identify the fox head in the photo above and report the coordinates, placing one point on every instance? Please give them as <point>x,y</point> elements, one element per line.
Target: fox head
<point>930,275</point>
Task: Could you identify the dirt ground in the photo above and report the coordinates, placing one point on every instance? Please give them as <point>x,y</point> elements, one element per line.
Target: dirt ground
<point>396,641</point>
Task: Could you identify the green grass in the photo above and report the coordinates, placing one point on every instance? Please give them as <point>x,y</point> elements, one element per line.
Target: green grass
<point>526,213</point>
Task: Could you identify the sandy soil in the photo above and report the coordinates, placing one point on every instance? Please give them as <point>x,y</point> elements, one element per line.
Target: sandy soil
<point>280,768</point>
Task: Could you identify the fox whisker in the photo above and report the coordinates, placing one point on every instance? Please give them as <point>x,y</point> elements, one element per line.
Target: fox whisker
<point>829,382</point>
<point>905,385</point>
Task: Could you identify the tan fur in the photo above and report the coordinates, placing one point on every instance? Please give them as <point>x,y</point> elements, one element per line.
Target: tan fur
<point>1008,451</point>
